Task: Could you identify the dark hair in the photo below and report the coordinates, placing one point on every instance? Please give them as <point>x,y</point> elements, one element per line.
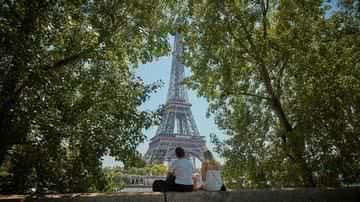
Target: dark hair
<point>180,153</point>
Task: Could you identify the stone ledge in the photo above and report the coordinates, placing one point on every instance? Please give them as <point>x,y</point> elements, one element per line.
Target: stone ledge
<point>263,195</point>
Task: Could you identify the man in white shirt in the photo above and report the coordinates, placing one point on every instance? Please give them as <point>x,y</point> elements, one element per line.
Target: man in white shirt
<point>182,168</point>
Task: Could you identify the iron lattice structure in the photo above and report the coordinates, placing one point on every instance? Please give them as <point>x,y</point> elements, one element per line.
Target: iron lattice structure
<point>177,127</point>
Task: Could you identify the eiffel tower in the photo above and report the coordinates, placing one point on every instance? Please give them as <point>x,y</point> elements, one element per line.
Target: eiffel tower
<point>177,127</point>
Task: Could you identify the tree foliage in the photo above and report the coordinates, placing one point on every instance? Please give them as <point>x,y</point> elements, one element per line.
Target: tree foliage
<point>283,82</point>
<point>119,176</point>
<point>68,94</point>
<point>151,169</point>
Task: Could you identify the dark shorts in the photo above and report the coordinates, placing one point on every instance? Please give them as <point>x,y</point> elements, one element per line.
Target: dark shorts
<point>183,188</point>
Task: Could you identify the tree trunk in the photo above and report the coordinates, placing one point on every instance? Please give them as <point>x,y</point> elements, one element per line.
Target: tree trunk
<point>6,127</point>
<point>293,150</point>
<point>3,151</point>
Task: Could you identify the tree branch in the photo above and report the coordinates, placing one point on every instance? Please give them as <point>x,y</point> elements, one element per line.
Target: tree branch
<point>280,73</point>
<point>275,65</point>
<point>239,42</point>
<point>254,95</point>
<point>67,61</point>
<point>247,36</point>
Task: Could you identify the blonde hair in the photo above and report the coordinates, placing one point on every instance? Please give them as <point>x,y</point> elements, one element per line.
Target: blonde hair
<point>209,157</point>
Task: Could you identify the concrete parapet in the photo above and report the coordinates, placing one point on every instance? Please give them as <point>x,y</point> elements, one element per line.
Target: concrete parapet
<point>263,195</point>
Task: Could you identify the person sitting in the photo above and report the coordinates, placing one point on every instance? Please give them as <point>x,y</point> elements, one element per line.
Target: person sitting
<point>182,168</point>
<point>210,173</point>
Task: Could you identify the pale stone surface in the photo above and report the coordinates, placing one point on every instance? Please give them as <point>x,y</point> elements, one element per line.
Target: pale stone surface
<point>263,195</point>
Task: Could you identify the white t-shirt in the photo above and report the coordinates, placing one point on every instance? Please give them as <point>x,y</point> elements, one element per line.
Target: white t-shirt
<point>183,170</point>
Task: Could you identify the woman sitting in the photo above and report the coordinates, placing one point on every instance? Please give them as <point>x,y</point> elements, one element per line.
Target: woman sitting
<point>183,170</point>
<point>210,172</point>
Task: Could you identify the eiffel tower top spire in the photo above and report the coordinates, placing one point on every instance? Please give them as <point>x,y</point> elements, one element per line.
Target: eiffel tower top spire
<point>177,117</point>
<point>177,91</point>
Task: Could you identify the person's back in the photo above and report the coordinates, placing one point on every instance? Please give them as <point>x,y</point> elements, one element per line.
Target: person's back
<point>211,173</point>
<point>183,170</point>
<point>212,178</point>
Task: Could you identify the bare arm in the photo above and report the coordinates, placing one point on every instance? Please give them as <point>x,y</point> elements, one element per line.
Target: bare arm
<point>203,171</point>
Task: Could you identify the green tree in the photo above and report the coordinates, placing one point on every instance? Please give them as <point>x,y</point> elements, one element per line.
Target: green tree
<point>122,184</point>
<point>283,82</point>
<point>68,94</point>
<point>156,169</point>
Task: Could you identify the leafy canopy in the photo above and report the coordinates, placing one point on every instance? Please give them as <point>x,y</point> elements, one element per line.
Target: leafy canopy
<point>282,80</point>
<point>68,93</point>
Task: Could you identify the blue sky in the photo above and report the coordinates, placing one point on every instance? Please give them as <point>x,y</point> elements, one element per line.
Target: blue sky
<point>160,70</point>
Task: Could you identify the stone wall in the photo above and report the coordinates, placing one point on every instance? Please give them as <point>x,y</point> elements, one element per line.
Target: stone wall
<point>264,195</point>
